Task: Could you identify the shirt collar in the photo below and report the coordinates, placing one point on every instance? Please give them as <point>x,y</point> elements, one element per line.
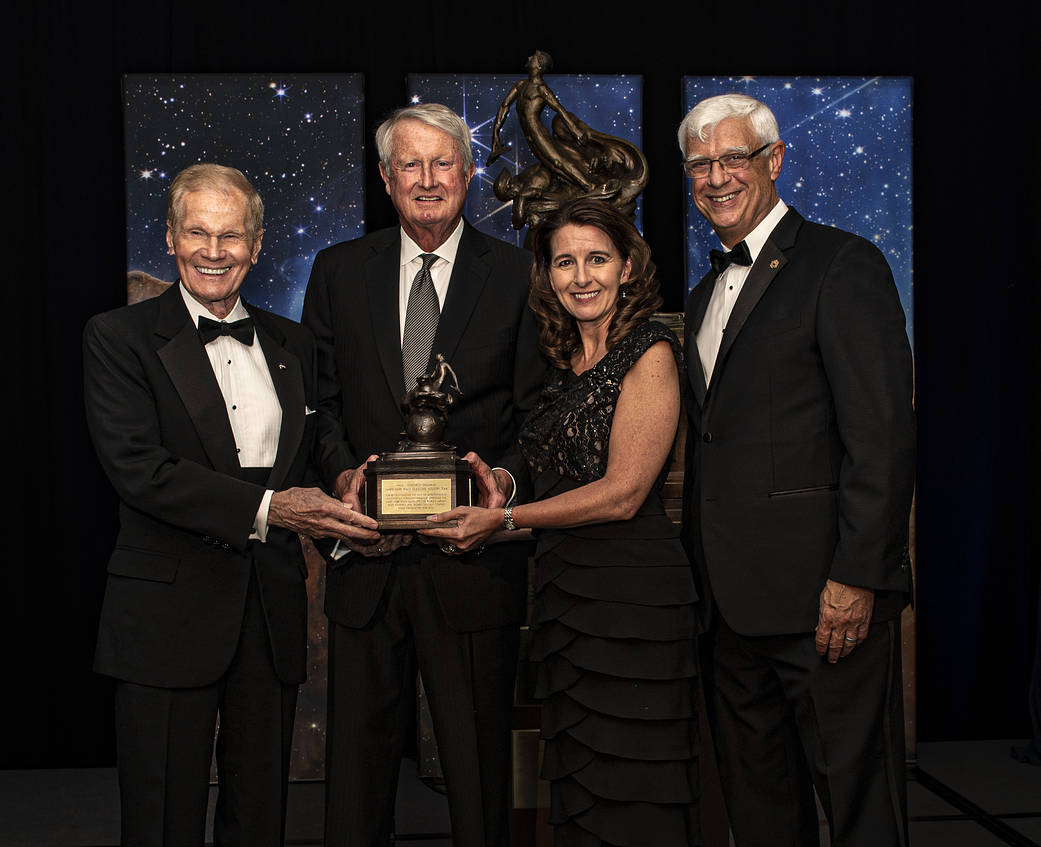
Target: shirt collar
<point>410,251</point>
<point>196,309</point>
<point>757,237</point>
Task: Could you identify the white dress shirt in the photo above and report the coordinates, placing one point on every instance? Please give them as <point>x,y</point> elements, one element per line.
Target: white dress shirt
<point>727,289</point>
<point>249,395</point>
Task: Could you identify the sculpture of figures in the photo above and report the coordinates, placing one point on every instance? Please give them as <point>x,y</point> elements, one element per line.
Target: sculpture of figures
<point>574,160</point>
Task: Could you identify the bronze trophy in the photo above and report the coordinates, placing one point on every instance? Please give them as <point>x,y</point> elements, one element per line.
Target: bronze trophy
<point>423,476</point>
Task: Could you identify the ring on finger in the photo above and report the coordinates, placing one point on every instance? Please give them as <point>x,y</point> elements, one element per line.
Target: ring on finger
<point>851,640</point>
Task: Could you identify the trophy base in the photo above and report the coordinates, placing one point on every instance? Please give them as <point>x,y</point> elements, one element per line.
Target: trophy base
<point>403,488</point>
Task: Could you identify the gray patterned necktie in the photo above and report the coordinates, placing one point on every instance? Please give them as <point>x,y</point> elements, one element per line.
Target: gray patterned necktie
<point>421,315</point>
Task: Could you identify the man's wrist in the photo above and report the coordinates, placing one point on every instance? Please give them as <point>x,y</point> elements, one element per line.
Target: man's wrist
<point>343,483</point>
<point>513,485</point>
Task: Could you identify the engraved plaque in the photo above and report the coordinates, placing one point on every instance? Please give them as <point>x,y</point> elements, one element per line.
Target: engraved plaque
<point>400,494</point>
<point>402,489</point>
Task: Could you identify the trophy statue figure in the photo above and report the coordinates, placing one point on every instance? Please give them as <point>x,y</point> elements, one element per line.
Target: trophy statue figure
<point>426,408</point>
<point>574,160</point>
<point>423,476</point>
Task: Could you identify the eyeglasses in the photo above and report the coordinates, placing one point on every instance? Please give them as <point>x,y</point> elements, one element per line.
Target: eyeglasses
<point>731,163</point>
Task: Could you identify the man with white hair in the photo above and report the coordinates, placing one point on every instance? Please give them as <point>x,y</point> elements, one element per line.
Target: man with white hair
<point>381,308</point>
<point>799,476</point>
<point>201,408</point>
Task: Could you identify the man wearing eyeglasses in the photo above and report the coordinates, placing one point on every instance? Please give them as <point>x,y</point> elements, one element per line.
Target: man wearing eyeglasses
<point>799,476</point>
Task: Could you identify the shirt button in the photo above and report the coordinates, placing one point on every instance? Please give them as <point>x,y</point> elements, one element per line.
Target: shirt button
<point>707,437</point>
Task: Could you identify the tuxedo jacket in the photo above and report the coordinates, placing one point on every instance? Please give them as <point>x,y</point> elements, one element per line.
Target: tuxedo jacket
<point>178,576</point>
<point>801,449</point>
<point>487,334</point>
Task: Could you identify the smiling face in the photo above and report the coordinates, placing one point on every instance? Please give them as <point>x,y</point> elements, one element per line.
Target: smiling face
<point>735,203</point>
<point>427,182</point>
<point>213,247</point>
<point>586,271</point>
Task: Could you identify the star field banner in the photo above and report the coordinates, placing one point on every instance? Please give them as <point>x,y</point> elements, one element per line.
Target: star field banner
<point>847,161</point>
<point>610,104</point>
<point>299,140</point>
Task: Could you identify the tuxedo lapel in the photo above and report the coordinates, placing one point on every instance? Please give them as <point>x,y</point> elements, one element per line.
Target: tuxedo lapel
<point>768,264</point>
<point>469,275</point>
<point>289,386</point>
<point>184,357</point>
<point>382,272</point>
<point>766,267</point>
<point>696,308</point>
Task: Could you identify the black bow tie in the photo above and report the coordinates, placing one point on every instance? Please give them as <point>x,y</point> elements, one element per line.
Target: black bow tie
<point>239,330</point>
<point>739,256</point>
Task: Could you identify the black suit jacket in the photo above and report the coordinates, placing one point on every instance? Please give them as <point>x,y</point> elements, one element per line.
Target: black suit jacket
<point>487,333</point>
<point>178,576</point>
<point>800,453</point>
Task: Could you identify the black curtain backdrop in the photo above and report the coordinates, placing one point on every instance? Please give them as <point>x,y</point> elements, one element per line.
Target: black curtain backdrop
<point>976,230</point>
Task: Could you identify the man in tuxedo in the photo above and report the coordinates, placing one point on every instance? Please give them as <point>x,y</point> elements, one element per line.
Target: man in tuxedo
<point>200,408</point>
<point>799,476</point>
<point>380,307</point>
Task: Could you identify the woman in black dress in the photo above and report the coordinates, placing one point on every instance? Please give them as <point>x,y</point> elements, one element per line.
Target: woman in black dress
<point>614,615</point>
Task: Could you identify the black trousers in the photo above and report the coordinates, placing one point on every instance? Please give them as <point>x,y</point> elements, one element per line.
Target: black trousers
<point>785,721</point>
<point>165,742</point>
<point>469,679</point>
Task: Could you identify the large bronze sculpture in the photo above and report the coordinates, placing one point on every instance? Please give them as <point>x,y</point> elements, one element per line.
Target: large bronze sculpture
<point>574,160</point>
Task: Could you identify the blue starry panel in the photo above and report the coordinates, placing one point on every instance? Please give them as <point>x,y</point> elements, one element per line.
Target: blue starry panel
<point>298,138</point>
<point>847,160</point>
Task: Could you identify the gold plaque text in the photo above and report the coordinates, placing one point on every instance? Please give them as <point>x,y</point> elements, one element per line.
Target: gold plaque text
<point>415,495</point>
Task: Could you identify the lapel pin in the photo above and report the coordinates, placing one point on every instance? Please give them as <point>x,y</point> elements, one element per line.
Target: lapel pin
<point>281,366</point>
<point>774,264</point>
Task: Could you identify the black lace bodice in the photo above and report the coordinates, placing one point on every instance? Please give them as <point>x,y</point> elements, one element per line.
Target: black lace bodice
<point>569,429</point>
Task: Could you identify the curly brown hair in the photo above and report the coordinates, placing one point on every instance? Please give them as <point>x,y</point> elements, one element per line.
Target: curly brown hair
<point>639,297</point>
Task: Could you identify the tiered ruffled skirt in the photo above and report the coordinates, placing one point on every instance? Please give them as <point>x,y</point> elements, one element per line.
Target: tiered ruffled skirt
<point>614,632</point>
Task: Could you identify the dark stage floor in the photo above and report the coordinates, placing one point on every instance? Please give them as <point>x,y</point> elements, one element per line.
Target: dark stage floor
<point>966,794</point>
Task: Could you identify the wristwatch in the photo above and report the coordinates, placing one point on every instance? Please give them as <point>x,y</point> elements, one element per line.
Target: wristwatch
<point>507,518</point>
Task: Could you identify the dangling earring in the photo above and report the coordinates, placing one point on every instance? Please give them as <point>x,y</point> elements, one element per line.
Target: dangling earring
<point>623,293</point>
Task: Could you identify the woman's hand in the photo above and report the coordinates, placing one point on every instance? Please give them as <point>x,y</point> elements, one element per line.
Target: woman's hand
<point>474,526</point>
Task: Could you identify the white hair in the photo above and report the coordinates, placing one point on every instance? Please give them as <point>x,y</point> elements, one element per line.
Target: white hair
<point>432,114</point>
<point>702,119</point>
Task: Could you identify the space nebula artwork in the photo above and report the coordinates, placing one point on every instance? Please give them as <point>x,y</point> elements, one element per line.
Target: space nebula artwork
<point>298,138</point>
<point>610,104</point>
<point>847,161</point>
